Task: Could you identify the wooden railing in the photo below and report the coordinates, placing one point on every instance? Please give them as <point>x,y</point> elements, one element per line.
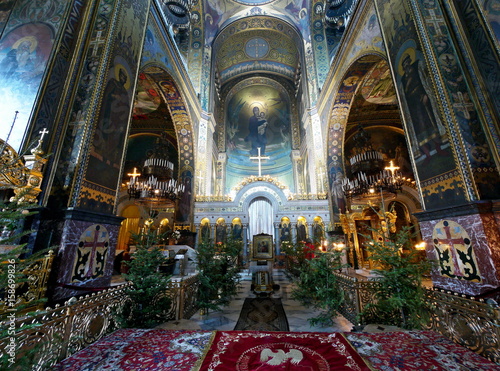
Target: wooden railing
<point>474,324</point>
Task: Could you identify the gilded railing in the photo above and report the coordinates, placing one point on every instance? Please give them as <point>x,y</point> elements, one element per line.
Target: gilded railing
<point>183,295</point>
<point>31,289</point>
<point>471,323</point>
<point>56,333</point>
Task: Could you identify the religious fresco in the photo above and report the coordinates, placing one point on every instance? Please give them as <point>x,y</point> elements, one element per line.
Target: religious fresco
<point>91,254</point>
<point>428,137</point>
<point>29,29</point>
<point>24,53</point>
<point>147,98</point>
<point>471,123</point>
<point>378,87</point>
<point>111,125</point>
<point>106,152</point>
<point>5,10</point>
<point>368,37</point>
<point>258,116</point>
<point>153,49</point>
<point>492,11</point>
<point>455,251</point>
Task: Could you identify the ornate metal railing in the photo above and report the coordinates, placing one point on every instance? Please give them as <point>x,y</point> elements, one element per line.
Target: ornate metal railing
<point>31,289</point>
<point>468,322</point>
<point>56,333</point>
<point>472,323</point>
<point>48,336</point>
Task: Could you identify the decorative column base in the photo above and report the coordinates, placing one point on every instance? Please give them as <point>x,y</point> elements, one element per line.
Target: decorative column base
<point>84,261</point>
<point>465,242</point>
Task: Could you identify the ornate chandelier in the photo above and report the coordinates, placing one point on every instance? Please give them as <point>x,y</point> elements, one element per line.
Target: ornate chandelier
<point>388,181</point>
<point>155,186</point>
<point>368,174</point>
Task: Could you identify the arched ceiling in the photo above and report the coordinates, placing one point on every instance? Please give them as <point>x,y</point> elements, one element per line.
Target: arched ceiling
<point>257,36</point>
<point>257,45</point>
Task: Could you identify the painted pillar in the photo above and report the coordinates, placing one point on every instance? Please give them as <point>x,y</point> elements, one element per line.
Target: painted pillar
<point>85,180</point>
<point>450,132</point>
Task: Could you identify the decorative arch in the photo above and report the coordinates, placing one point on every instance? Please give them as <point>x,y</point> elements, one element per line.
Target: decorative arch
<point>184,132</point>
<point>258,189</point>
<point>350,84</point>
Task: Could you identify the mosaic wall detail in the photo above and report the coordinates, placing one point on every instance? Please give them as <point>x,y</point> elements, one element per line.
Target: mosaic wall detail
<point>91,254</point>
<point>197,44</point>
<point>319,42</point>
<point>103,165</point>
<point>428,135</point>
<point>466,114</point>
<point>256,50</point>
<point>25,49</point>
<point>455,250</point>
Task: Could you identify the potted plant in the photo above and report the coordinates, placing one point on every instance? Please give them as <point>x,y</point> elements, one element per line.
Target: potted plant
<point>218,272</point>
<point>148,305</point>
<point>400,296</point>
<point>317,286</point>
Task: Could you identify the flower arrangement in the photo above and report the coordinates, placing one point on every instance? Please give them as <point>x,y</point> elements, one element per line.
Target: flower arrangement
<point>175,235</point>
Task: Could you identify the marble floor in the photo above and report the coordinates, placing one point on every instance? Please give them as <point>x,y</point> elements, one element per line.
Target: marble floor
<point>226,319</point>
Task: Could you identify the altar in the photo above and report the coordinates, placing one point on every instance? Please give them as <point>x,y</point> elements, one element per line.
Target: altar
<point>185,258</point>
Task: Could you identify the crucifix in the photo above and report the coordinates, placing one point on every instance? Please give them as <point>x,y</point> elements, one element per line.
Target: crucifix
<point>450,242</point>
<point>259,158</point>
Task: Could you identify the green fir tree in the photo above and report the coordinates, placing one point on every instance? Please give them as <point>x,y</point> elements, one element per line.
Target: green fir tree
<point>148,303</point>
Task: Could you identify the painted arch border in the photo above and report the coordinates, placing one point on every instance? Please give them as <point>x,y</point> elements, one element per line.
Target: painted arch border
<point>177,106</point>
<point>353,78</point>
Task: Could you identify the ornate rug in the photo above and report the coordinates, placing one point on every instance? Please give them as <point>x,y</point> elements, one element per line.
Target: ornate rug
<point>262,314</point>
<point>261,351</point>
<point>145,350</point>
<point>416,350</point>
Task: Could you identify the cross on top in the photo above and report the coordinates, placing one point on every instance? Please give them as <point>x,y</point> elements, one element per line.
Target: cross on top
<point>43,132</point>
<point>134,175</point>
<point>259,158</point>
<point>391,168</point>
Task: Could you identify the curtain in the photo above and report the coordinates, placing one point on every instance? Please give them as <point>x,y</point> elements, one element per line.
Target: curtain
<point>128,225</point>
<point>260,215</point>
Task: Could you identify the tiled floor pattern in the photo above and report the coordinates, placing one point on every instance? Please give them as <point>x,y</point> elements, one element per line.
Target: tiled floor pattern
<point>226,319</point>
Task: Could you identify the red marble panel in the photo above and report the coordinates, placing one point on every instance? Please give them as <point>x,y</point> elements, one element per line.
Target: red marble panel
<point>482,229</point>
<point>67,253</point>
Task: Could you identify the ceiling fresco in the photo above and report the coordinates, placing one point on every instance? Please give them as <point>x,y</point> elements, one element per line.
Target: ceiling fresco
<point>257,51</point>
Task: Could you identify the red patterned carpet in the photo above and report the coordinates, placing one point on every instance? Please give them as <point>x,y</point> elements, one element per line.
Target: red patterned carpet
<point>148,350</point>
<point>417,350</point>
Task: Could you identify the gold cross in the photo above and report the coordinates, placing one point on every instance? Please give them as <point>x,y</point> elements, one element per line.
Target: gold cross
<point>134,175</point>
<point>391,168</point>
